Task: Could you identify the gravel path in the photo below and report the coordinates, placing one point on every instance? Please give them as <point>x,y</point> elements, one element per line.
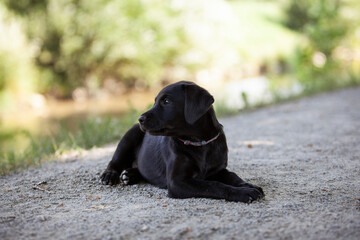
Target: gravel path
<point>305,154</point>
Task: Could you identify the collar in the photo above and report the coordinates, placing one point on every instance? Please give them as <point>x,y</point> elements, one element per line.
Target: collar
<point>199,144</point>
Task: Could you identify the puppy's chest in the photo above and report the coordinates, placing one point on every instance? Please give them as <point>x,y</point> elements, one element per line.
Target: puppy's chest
<point>210,162</point>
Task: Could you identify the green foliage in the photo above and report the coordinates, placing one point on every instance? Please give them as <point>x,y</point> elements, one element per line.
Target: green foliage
<point>23,7</point>
<point>324,29</point>
<point>82,42</point>
<point>320,21</point>
<point>16,68</point>
<point>297,15</point>
<point>323,76</point>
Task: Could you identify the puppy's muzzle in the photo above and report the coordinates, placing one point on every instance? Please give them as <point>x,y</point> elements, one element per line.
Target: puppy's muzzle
<point>142,119</point>
<point>146,122</point>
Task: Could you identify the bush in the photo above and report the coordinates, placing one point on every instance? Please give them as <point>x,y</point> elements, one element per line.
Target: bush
<point>324,29</point>
<point>82,42</point>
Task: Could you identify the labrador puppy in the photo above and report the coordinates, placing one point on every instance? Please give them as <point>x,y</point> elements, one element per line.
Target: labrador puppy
<point>179,145</point>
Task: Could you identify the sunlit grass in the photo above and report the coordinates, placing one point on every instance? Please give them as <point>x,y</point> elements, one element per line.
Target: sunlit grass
<point>92,132</point>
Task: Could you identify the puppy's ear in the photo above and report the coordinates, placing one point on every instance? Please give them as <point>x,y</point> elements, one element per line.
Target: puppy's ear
<point>197,102</point>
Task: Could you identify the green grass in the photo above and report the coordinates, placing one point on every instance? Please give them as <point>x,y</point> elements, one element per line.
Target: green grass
<point>93,131</point>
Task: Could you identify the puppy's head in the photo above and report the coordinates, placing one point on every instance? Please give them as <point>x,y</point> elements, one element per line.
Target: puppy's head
<point>176,106</point>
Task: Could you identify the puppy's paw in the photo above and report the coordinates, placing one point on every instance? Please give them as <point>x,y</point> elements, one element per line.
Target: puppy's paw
<point>110,177</point>
<point>130,176</point>
<point>125,178</point>
<point>249,185</point>
<point>245,195</point>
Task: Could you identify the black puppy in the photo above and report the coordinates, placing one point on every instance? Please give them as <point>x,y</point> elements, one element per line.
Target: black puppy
<point>179,145</point>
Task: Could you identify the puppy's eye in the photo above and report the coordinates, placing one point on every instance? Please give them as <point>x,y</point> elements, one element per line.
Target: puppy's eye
<point>165,101</point>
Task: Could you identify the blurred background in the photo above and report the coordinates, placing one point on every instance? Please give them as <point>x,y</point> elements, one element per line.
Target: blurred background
<point>76,74</point>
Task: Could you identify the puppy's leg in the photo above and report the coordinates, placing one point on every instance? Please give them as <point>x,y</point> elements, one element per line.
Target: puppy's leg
<point>130,176</point>
<point>230,178</point>
<point>181,184</point>
<point>189,188</point>
<point>124,155</point>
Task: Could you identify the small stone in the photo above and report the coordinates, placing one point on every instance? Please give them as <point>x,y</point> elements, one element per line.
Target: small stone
<point>144,228</point>
<point>41,218</point>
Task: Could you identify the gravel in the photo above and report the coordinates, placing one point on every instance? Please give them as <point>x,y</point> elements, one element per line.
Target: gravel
<point>305,154</point>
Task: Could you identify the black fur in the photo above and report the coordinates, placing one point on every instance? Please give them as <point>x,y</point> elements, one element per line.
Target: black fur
<point>151,150</point>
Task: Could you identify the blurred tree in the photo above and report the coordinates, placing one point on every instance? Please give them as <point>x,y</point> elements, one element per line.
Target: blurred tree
<point>297,15</point>
<point>81,42</point>
<point>324,28</point>
<point>17,72</point>
<point>319,20</point>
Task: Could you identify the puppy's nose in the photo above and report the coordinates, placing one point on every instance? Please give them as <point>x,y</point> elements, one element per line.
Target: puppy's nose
<point>142,119</point>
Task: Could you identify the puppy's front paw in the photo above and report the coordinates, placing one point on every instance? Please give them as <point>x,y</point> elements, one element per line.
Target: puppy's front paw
<point>130,176</point>
<point>249,185</point>
<point>252,194</point>
<point>110,177</point>
<point>125,178</point>
<point>245,195</point>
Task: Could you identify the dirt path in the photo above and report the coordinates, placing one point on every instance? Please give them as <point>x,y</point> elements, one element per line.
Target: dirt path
<point>305,154</point>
